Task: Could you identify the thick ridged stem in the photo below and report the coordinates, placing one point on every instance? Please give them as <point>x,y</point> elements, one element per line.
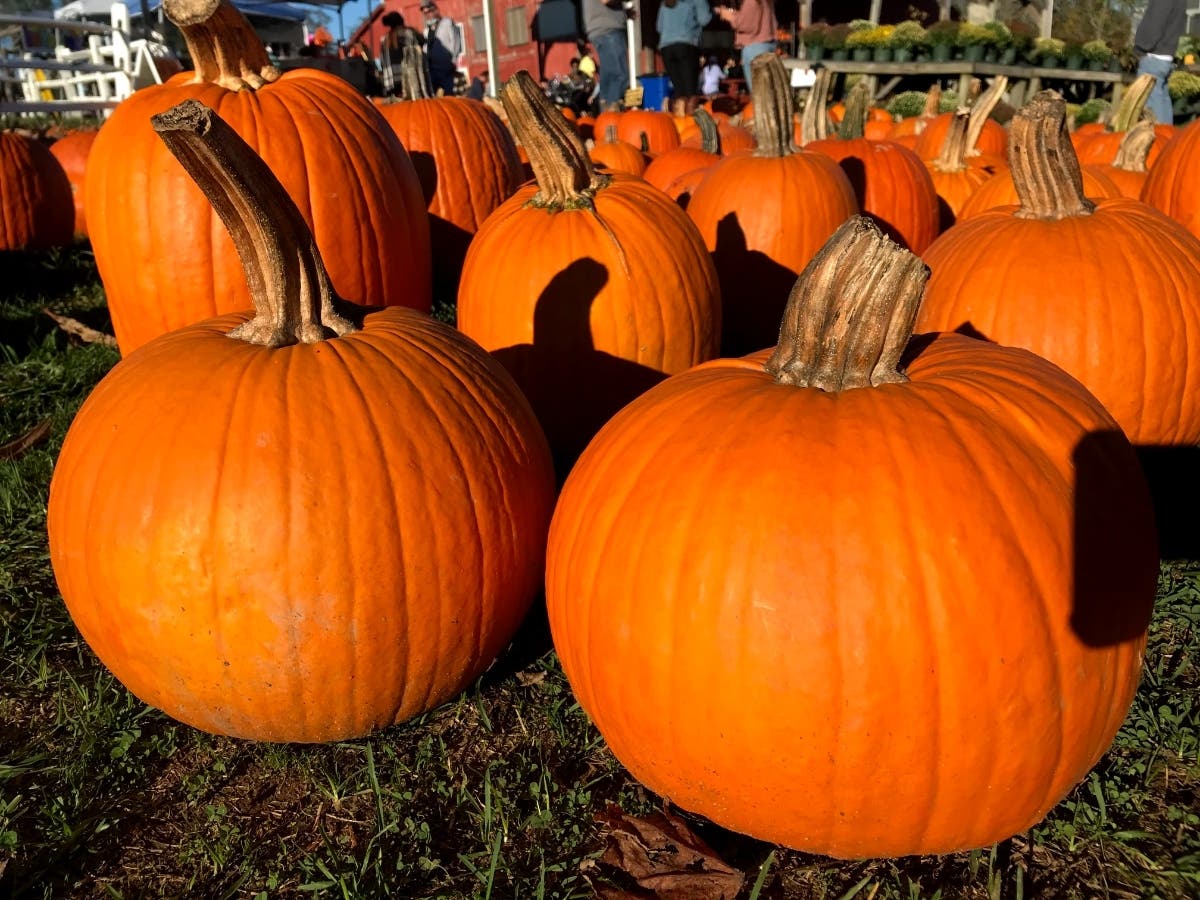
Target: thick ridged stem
<point>953,157</point>
<point>1045,169</point>
<point>773,107</point>
<point>710,134</point>
<point>858,106</point>
<point>414,70</point>
<point>851,313</point>
<point>1135,147</point>
<point>222,44</point>
<point>1133,104</point>
<point>565,176</point>
<point>294,302</point>
<point>814,122</point>
<point>981,110</point>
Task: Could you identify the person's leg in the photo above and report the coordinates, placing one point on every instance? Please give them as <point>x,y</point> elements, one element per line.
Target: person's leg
<point>749,52</point>
<point>1159,102</point>
<point>691,71</point>
<point>675,62</point>
<point>614,67</point>
<point>442,78</point>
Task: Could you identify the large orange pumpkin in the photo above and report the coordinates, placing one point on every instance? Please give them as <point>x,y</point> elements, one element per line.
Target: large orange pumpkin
<point>764,213</point>
<point>264,527</point>
<point>1099,146</point>
<point>1129,168</point>
<point>72,151</point>
<point>163,256</point>
<point>666,168</point>
<point>958,172</point>
<point>1060,275</point>
<point>35,196</point>
<point>466,159</point>
<point>991,139</point>
<point>857,611</point>
<point>589,288</point>
<point>1173,185</point>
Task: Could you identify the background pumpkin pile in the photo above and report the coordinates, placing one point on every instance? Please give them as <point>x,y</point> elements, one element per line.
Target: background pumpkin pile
<point>829,585</point>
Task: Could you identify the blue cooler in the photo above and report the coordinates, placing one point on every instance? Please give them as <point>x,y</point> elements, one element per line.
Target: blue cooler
<point>655,89</point>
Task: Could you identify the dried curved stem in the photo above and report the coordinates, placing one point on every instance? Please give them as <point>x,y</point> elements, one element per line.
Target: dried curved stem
<point>814,122</point>
<point>294,302</point>
<point>565,176</point>
<point>953,157</point>
<point>223,46</point>
<point>854,120</point>
<point>851,313</point>
<point>773,107</point>
<point>1045,169</point>
<point>1133,104</point>
<point>710,135</point>
<point>1135,147</point>
<point>981,109</point>
<point>414,70</point>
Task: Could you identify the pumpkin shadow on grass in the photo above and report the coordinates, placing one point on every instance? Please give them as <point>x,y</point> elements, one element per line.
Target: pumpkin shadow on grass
<point>754,291</point>
<point>573,387</point>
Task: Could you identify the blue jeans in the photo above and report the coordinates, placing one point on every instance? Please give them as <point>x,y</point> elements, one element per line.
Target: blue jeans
<point>1159,102</point>
<point>614,66</point>
<point>749,52</point>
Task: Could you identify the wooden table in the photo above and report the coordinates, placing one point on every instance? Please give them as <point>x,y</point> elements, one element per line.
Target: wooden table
<point>1023,80</point>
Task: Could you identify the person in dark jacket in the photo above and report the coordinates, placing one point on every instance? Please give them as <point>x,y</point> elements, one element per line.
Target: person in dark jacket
<point>479,85</point>
<point>1155,42</point>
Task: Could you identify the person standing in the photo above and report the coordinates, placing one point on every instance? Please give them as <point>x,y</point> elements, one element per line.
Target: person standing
<point>443,47</point>
<point>479,85</point>
<point>604,22</point>
<point>679,25</point>
<point>1155,42</point>
<point>754,28</point>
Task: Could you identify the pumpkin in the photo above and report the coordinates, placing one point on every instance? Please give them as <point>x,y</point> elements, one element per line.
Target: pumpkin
<point>1062,276</point>
<point>655,129</point>
<point>588,287</point>
<point>958,170</point>
<point>937,636</point>
<point>666,168</point>
<point>1000,190</point>
<point>764,213</point>
<point>617,155</point>
<point>1173,185</point>
<point>992,139</point>
<point>1100,146</point>
<point>890,182</point>
<point>465,158</point>
<point>262,525</point>
<point>71,151</point>
<point>334,153</point>
<point>35,196</point>
<point>1129,167</point>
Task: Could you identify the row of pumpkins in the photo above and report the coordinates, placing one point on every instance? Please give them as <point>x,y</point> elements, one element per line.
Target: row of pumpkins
<point>311,520</point>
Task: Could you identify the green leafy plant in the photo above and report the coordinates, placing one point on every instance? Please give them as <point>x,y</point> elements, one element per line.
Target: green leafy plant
<point>1183,85</point>
<point>972,35</point>
<point>878,36</point>
<point>1097,51</point>
<point>944,32</point>
<point>1022,34</point>
<point>835,36</point>
<point>1044,47</point>
<point>1091,111</point>
<point>815,35</point>
<point>907,104</point>
<point>908,35</point>
<point>1002,37</point>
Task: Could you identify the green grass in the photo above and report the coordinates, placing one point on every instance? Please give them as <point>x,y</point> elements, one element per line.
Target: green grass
<point>492,796</point>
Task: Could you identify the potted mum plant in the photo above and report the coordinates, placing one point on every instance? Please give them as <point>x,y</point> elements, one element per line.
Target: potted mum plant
<point>1098,55</point>
<point>813,37</point>
<point>835,42</point>
<point>1073,53</point>
<point>1022,34</point>
<point>861,41</point>
<point>942,36</point>
<point>906,39</point>
<point>1000,48</point>
<point>973,40</point>
<point>1049,52</point>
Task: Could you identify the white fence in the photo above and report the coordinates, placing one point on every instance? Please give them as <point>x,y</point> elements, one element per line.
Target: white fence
<point>95,78</point>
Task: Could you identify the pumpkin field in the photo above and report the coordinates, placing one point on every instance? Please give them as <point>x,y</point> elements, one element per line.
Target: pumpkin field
<point>428,498</point>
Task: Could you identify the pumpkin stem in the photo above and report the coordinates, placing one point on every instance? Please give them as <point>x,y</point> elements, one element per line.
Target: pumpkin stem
<point>1133,103</point>
<point>773,106</point>
<point>414,70</point>
<point>1135,147</point>
<point>953,157</point>
<point>933,102</point>
<point>710,135</point>
<point>1044,166</point>
<point>851,313</point>
<point>854,120</point>
<point>565,176</point>
<point>293,300</point>
<point>981,110</point>
<point>222,44</point>
<point>814,122</point>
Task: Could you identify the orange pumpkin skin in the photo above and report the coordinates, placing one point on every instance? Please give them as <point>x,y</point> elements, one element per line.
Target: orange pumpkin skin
<point>734,138</point>
<point>344,168</point>
<point>665,169</point>
<point>1173,185</point>
<point>1125,329</point>
<point>602,305</point>
<point>993,139</point>
<point>891,184</point>
<point>1129,184</point>
<point>657,127</point>
<point>72,152</point>
<point>296,545</point>
<point>955,188</point>
<point>1100,148</point>
<point>35,196</point>
<point>468,165</point>
<point>763,218</point>
<point>797,659</point>
<point>999,190</point>
<point>619,156</point>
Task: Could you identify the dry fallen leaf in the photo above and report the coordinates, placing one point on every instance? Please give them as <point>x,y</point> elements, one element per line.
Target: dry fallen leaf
<point>529,679</point>
<point>18,447</point>
<point>665,858</point>
<point>75,328</point>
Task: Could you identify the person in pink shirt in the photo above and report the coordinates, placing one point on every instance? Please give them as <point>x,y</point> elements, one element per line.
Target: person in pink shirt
<point>754,28</point>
